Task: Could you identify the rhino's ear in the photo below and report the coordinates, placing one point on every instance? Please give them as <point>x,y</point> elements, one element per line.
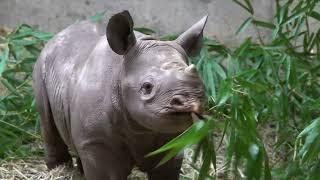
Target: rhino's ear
<point>191,40</point>
<point>120,33</point>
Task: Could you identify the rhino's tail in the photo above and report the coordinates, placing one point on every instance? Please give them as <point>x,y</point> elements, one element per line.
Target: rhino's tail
<point>55,148</point>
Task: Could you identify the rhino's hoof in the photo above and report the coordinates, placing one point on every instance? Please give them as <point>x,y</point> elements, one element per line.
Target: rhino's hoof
<point>53,162</point>
<point>79,165</point>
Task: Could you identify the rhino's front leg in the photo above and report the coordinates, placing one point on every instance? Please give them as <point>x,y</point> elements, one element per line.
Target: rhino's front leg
<point>167,171</point>
<point>101,162</point>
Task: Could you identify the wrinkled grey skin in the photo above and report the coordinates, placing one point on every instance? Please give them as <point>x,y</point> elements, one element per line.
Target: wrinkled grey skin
<point>114,95</point>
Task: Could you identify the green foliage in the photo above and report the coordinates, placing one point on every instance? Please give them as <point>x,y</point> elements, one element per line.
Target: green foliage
<point>275,82</point>
<point>98,17</point>
<point>19,124</point>
<point>144,30</point>
<point>195,134</point>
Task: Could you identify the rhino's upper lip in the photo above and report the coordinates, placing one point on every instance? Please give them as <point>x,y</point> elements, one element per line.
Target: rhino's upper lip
<point>168,111</point>
<point>185,113</point>
<point>189,115</point>
<point>179,113</point>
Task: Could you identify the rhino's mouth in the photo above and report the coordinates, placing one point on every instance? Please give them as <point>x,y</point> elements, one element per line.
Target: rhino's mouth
<point>194,116</point>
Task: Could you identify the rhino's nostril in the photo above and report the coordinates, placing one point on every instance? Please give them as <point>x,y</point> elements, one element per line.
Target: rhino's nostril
<point>176,101</point>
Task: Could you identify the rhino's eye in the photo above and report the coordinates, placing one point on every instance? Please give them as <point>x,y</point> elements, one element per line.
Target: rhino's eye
<point>146,88</point>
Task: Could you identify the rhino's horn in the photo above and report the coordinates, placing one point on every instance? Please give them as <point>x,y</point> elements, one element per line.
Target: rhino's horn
<point>191,69</point>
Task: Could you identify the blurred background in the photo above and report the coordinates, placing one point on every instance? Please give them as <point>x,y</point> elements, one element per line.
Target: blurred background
<point>165,16</point>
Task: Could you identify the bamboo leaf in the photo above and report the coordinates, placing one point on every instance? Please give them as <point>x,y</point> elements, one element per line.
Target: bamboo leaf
<point>219,70</point>
<point>172,153</point>
<point>249,6</point>
<point>224,93</point>
<point>207,157</point>
<point>170,37</point>
<point>4,59</point>
<point>249,9</point>
<point>293,17</point>
<point>244,25</point>
<point>315,15</point>
<point>44,36</point>
<point>98,16</point>
<point>144,30</point>
<point>288,68</point>
<point>264,24</point>
<point>191,136</point>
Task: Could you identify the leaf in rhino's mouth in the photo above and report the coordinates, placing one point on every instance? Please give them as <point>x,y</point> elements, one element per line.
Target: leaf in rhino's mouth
<point>196,117</point>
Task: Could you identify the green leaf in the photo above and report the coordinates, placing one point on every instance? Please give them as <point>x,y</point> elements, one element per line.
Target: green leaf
<point>225,92</point>
<point>27,32</point>
<point>197,151</point>
<point>298,29</point>
<point>293,17</point>
<point>169,37</point>
<point>314,175</point>
<point>4,59</point>
<point>98,16</point>
<point>42,35</point>
<point>244,46</point>
<point>313,126</point>
<point>212,42</point>
<point>172,153</point>
<point>313,40</point>
<point>20,32</point>
<point>264,24</point>
<point>282,13</point>
<point>144,30</point>
<point>267,172</point>
<point>207,157</point>
<point>11,88</point>
<point>247,8</point>
<point>219,70</point>
<point>192,135</point>
<point>247,74</point>
<point>23,42</point>
<point>311,147</point>
<point>211,83</point>
<point>315,15</point>
<point>254,151</point>
<point>288,67</point>
<point>254,166</point>
<point>244,25</point>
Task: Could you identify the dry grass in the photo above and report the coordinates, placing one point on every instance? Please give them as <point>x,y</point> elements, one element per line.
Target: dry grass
<point>34,168</point>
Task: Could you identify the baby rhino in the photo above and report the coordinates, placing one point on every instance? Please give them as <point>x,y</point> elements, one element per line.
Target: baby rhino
<point>113,95</point>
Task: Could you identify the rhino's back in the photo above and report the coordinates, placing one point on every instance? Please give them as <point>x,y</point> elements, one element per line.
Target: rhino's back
<point>62,62</point>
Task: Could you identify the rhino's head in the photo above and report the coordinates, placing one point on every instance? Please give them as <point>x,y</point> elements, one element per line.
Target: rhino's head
<point>159,89</point>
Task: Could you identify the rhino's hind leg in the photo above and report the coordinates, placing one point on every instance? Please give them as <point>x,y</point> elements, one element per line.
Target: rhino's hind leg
<point>55,148</point>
